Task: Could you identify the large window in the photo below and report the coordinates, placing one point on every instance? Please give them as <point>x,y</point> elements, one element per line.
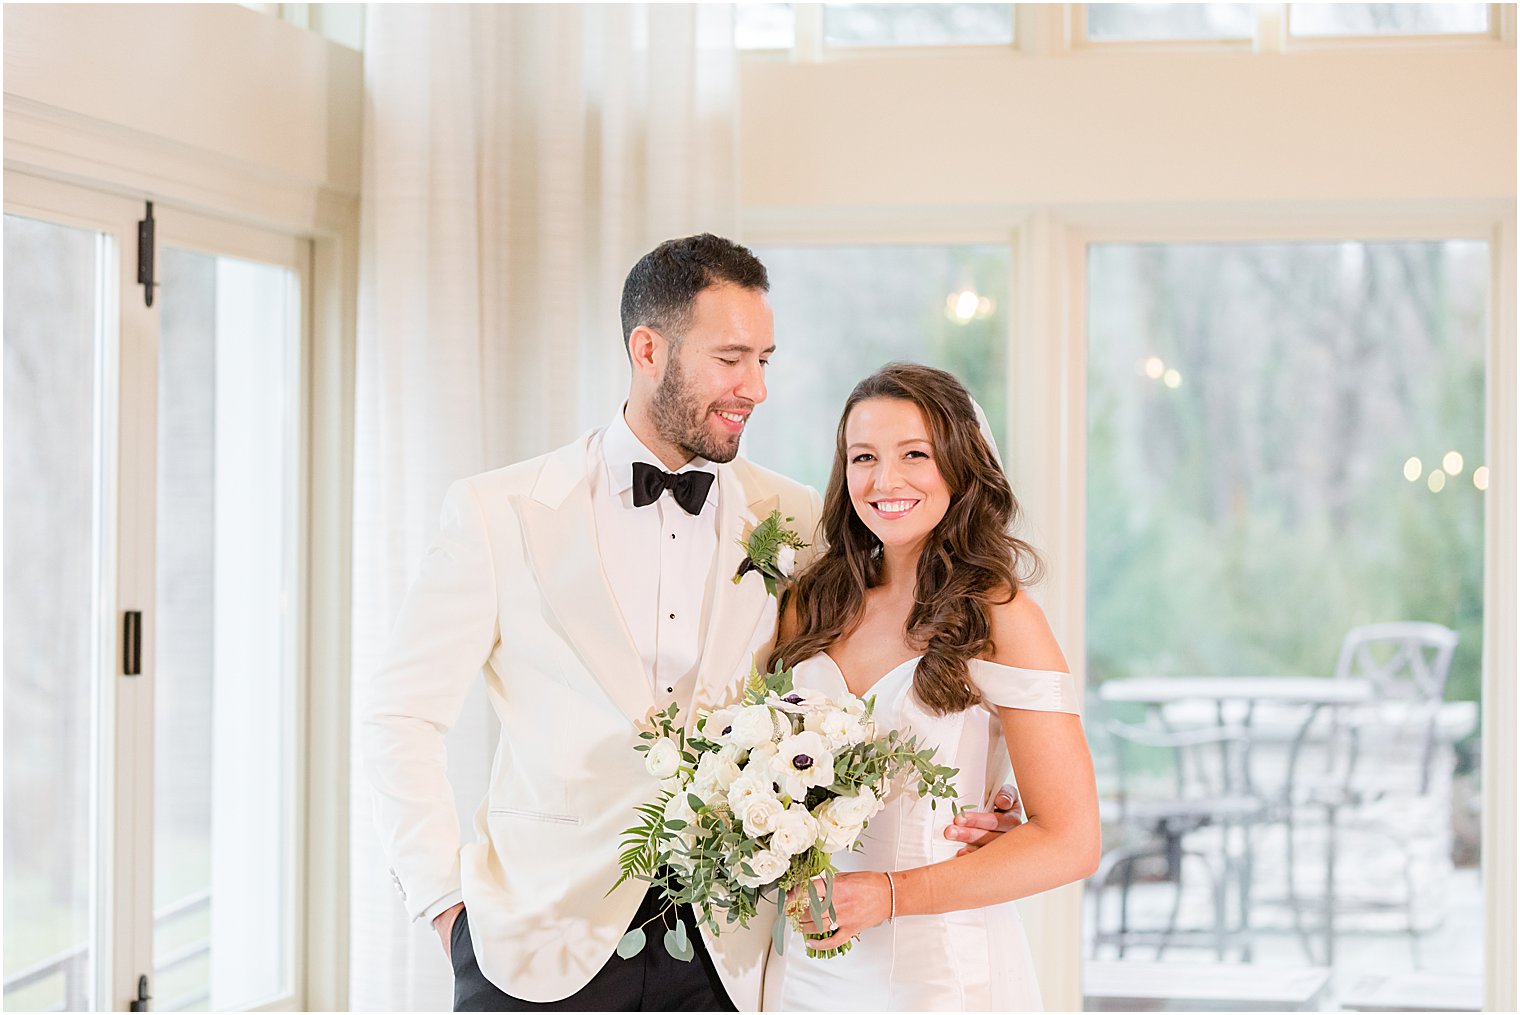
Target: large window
<point>852,26</point>
<point>1285,525</point>
<point>842,312</point>
<point>1388,19</point>
<point>1149,22</point>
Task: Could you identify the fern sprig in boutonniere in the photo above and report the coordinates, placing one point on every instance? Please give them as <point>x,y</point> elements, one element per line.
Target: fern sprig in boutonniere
<point>771,549</point>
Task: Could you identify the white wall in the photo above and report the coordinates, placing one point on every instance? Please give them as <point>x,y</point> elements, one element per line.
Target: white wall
<point>1002,128</point>
<point>213,106</point>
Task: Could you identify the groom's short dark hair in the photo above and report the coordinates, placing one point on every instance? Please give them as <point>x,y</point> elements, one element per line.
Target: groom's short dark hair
<point>662,288</point>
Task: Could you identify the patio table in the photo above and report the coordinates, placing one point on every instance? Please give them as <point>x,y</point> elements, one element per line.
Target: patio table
<point>1279,690</point>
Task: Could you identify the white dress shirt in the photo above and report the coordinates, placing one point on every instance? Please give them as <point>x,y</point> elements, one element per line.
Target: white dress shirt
<point>658,560</point>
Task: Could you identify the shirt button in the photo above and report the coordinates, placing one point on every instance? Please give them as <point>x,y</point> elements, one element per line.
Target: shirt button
<point>672,535</point>
<point>672,616</point>
<point>670,690</point>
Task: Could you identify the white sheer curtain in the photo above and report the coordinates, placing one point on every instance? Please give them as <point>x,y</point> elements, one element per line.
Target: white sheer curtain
<point>517,160</point>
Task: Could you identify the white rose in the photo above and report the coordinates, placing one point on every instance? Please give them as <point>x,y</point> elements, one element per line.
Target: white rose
<point>678,808</point>
<point>751,726</point>
<point>768,865</point>
<point>796,831</point>
<point>760,758</point>
<point>834,835</point>
<point>786,559</point>
<point>746,790</point>
<point>663,759</point>
<point>837,727</point>
<point>805,757</point>
<point>717,770</point>
<point>857,809</point>
<point>760,815</point>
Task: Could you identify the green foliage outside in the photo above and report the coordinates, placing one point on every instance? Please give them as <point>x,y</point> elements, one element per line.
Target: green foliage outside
<point>1242,521</point>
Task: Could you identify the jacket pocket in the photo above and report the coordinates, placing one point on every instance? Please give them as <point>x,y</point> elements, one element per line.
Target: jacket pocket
<point>553,819</point>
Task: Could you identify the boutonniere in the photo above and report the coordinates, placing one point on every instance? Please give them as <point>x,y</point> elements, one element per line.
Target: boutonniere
<point>771,548</point>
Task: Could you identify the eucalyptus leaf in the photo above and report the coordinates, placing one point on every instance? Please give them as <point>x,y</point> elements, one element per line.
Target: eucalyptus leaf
<point>778,934</point>
<point>815,906</point>
<point>631,943</point>
<point>679,949</point>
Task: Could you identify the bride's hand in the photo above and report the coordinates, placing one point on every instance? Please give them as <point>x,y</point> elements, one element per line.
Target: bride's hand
<point>861,901</point>
<point>978,828</point>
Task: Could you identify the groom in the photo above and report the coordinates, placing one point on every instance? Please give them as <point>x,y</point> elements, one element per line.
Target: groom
<point>589,585</point>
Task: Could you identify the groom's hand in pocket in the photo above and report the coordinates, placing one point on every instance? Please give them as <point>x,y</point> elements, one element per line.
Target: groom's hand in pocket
<point>443,923</point>
<point>977,828</point>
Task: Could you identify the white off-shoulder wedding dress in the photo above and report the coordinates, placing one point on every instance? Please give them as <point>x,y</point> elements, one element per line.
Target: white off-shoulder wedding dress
<point>972,960</point>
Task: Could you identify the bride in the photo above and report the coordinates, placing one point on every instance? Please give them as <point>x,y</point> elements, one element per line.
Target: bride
<point>919,600</point>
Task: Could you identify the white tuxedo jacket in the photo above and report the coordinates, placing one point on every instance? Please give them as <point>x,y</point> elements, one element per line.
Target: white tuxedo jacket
<point>513,586</point>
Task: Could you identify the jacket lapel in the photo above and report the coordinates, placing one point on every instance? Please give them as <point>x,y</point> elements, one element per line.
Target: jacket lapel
<point>559,532</point>
<point>737,610</point>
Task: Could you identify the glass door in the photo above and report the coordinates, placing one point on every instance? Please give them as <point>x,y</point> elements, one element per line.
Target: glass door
<point>153,539</point>
<point>58,531</point>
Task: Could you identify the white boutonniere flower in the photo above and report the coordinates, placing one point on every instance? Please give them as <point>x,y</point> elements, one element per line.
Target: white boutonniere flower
<point>771,549</point>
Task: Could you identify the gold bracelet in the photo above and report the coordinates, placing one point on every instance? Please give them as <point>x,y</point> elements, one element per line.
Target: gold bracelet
<point>891,887</point>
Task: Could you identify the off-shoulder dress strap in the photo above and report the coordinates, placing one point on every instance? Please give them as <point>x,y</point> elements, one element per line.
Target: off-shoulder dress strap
<point>1017,687</point>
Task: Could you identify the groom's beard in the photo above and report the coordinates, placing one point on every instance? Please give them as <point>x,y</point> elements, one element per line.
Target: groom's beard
<point>683,421</point>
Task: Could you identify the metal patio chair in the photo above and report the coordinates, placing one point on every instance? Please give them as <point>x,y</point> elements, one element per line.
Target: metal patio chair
<point>1201,811</point>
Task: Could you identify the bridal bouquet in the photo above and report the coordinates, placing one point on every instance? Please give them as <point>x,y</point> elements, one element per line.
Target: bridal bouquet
<point>758,799</point>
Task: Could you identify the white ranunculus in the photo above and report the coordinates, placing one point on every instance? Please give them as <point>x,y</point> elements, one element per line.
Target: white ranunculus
<point>760,815</point>
<point>717,770</point>
<point>751,727</point>
<point>857,809</point>
<point>805,757</point>
<point>796,831</point>
<point>768,865</point>
<point>663,759</point>
<point>838,728</point>
<point>745,790</point>
<point>786,559</point>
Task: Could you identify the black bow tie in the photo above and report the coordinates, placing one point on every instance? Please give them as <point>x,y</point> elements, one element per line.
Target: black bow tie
<point>688,488</point>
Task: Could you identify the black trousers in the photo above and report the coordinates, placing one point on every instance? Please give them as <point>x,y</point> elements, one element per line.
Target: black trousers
<point>652,980</point>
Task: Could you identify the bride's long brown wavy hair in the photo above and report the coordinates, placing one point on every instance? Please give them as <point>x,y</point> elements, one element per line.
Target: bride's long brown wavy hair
<point>970,561</point>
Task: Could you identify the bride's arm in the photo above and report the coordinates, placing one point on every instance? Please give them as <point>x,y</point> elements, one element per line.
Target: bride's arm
<point>1060,842</point>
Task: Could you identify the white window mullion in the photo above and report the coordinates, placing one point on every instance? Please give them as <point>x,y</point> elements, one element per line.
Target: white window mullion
<point>807,44</point>
<point>136,396</point>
